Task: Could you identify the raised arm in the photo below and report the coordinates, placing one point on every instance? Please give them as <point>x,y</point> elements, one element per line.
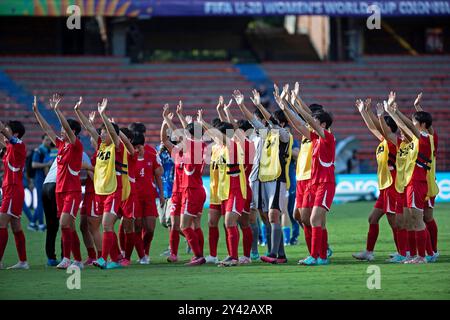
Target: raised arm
<point>294,120</point>
<point>85,122</point>
<point>215,134</point>
<point>43,123</point>
<point>220,110</point>
<point>109,127</point>
<point>309,119</point>
<point>257,102</point>
<point>297,99</point>
<point>385,130</point>
<point>391,110</point>
<point>54,103</point>
<point>127,143</point>
<point>229,115</point>
<point>180,115</point>
<point>167,118</point>
<point>372,117</point>
<point>418,107</point>
<point>406,121</point>
<point>367,120</point>
<point>239,98</point>
<point>163,136</point>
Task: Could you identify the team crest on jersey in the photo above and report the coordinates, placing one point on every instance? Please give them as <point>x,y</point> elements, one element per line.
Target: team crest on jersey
<point>380,150</point>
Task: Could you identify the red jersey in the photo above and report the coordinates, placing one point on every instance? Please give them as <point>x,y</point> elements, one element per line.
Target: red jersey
<point>14,162</point>
<point>89,188</point>
<point>177,155</point>
<point>322,167</point>
<point>69,161</point>
<point>435,140</point>
<point>193,160</point>
<point>424,155</point>
<point>145,173</point>
<point>132,170</point>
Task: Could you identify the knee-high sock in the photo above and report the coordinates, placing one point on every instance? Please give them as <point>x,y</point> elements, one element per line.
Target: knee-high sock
<point>107,243</point>
<point>174,241</point>
<point>395,235</point>
<point>308,237</point>
<point>3,241</point>
<point>276,238</point>
<point>192,240</point>
<point>316,243</point>
<point>281,252</point>
<point>247,239</point>
<point>433,229</point>
<point>213,238</point>
<point>402,237</point>
<point>268,229</point>
<point>76,246</point>
<point>412,243</point>
<point>115,251</point>
<point>201,240</point>
<point>233,236</point>
<point>139,244</point>
<point>324,248</point>
<point>91,253</point>
<point>421,242</point>
<point>372,236</point>
<point>19,238</point>
<point>429,247</point>
<point>255,233</point>
<point>129,244</point>
<point>67,242</point>
<point>123,246</point>
<point>148,237</point>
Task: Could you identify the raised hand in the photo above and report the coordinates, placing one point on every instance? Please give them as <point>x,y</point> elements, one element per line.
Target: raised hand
<point>189,119</point>
<point>2,126</point>
<point>165,110</point>
<point>102,105</point>
<point>92,117</point>
<point>227,106</point>
<point>170,116</point>
<point>200,115</point>
<point>35,109</point>
<point>112,120</point>
<point>77,105</point>
<point>293,96</point>
<point>367,104</point>
<point>280,103</point>
<point>360,105</point>
<point>54,101</point>
<point>276,90</point>
<point>285,91</point>
<point>380,109</point>
<point>296,88</point>
<point>256,99</point>
<point>220,104</point>
<point>418,100</point>
<point>179,107</point>
<point>391,98</point>
<point>238,97</point>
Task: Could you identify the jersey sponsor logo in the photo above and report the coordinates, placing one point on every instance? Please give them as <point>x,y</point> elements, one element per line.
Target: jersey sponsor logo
<point>104,156</point>
<point>13,169</point>
<point>189,173</point>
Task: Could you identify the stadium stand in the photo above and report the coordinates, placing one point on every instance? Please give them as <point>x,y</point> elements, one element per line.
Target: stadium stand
<point>137,92</point>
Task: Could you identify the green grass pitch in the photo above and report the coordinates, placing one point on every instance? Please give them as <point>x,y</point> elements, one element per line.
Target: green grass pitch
<point>344,278</point>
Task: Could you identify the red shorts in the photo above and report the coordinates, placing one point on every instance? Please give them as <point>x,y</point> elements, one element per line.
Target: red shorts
<point>145,207</point>
<point>88,205</point>
<point>108,203</point>
<point>235,202</point>
<point>323,194</point>
<point>128,207</point>
<point>12,202</point>
<point>401,202</point>
<point>175,209</point>
<point>248,200</point>
<point>387,200</point>
<point>416,193</point>
<point>430,202</point>
<point>193,201</point>
<point>303,195</point>
<point>68,202</point>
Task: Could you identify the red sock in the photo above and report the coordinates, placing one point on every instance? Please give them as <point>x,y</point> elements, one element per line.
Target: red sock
<point>402,237</point>
<point>107,244</point>
<point>123,246</point>
<point>372,236</point>
<point>323,250</point>
<point>192,239</point>
<point>19,237</point>
<point>201,239</point>
<point>148,237</point>
<point>412,243</point>
<point>395,235</point>
<point>174,241</point>
<point>308,236</point>
<point>316,241</point>
<point>115,251</point>
<point>247,239</point>
<point>233,235</point>
<point>3,241</point>
<point>67,242</point>
<point>139,244</point>
<point>99,254</point>
<point>91,253</point>
<point>129,244</point>
<point>433,229</point>
<point>421,241</point>
<point>76,246</point>
<point>429,247</point>
<point>213,240</point>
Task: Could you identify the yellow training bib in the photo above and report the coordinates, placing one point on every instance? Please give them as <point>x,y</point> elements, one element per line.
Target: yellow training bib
<point>384,174</point>
<point>105,181</point>
<point>216,153</point>
<point>433,189</point>
<point>304,161</point>
<point>400,163</point>
<point>224,176</point>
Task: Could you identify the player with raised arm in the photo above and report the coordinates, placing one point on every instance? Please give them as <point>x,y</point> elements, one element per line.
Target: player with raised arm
<point>68,185</point>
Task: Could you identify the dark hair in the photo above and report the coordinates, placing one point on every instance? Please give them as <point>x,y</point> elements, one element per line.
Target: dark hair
<point>74,125</point>
<point>43,136</point>
<point>423,117</point>
<point>323,117</point>
<point>244,125</point>
<point>137,126</point>
<point>225,128</point>
<point>99,130</point>
<point>194,127</point>
<point>138,139</point>
<point>16,127</point>
<point>216,122</point>
<point>280,117</point>
<point>128,133</point>
<point>314,107</point>
<point>391,123</point>
<point>115,126</point>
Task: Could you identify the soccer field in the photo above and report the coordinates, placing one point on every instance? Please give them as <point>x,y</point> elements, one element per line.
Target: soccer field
<point>344,278</point>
